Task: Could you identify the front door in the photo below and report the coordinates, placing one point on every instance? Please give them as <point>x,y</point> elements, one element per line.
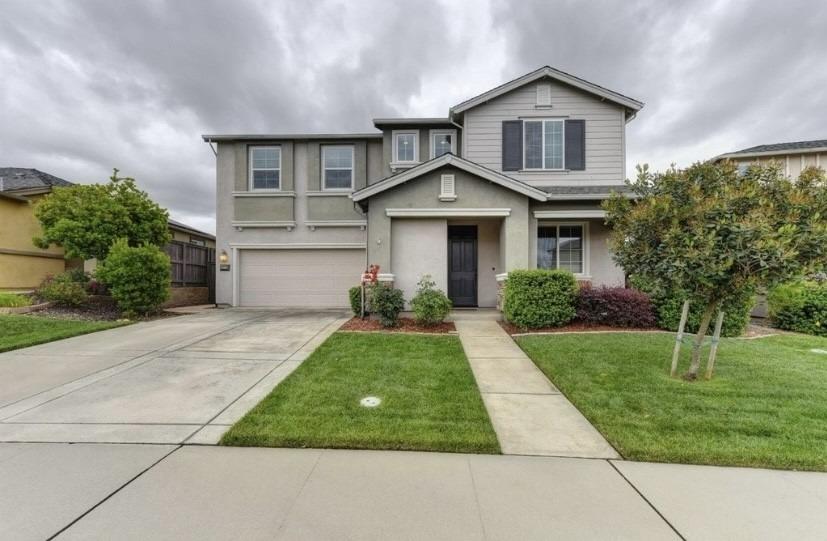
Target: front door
<point>462,264</point>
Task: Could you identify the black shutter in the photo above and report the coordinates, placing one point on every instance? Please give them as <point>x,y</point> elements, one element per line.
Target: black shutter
<point>576,145</point>
<point>512,145</point>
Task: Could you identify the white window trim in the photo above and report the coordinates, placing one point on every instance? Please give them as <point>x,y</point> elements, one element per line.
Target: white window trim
<point>396,161</point>
<point>543,144</point>
<point>250,168</point>
<point>433,133</point>
<point>351,169</point>
<point>586,274</point>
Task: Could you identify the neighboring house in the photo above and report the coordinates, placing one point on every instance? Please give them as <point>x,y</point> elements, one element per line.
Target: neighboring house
<point>22,264</point>
<point>793,157</point>
<point>510,179</point>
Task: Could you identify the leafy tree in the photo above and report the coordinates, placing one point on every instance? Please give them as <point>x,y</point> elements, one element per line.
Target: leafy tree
<point>708,230</point>
<point>85,219</point>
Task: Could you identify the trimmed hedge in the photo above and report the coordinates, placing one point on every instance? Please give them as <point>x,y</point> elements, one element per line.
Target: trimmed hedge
<point>668,305</point>
<point>615,306</point>
<point>355,296</point>
<point>386,302</point>
<point>800,306</point>
<point>430,305</point>
<point>539,298</point>
<point>138,277</point>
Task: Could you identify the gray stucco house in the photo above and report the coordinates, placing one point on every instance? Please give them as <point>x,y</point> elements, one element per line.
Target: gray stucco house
<point>510,179</point>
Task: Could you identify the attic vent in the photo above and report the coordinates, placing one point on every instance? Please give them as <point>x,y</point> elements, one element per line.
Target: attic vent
<point>447,189</point>
<point>544,95</point>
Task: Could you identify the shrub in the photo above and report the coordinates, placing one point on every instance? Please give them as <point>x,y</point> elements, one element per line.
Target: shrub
<point>138,277</point>
<point>800,306</point>
<point>355,294</point>
<point>13,300</point>
<point>668,305</point>
<point>386,302</point>
<point>430,305</point>
<point>63,290</point>
<point>615,306</point>
<point>540,298</point>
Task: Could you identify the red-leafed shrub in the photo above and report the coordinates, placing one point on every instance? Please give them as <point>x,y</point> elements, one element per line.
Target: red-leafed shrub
<point>615,306</point>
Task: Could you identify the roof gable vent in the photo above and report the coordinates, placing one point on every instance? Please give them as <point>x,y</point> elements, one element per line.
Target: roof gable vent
<point>447,189</point>
<point>543,94</point>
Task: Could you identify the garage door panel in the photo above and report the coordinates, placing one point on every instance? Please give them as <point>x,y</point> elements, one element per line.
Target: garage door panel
<point>313,278</point>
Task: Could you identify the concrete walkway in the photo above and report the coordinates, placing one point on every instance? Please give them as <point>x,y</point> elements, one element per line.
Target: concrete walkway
<point>101,491</point>
<point>174,380</point>
<point>530,416</point>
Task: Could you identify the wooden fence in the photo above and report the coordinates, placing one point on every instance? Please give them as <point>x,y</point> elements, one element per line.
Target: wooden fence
<point>191,265</point>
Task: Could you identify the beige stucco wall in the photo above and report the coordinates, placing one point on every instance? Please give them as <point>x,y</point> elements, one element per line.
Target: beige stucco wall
<point>22,264</point>
<point>421,247</point>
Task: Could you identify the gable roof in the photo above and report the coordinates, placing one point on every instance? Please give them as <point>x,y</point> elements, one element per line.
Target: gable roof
<point>18,178</point>
<point>180,226</point>
<point>455,161</point>
<point>548,71</point>
<point>817,145</point>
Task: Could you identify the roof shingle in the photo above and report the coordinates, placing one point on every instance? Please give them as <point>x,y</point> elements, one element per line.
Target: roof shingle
<point>18,178</point>
<point>783,147</point>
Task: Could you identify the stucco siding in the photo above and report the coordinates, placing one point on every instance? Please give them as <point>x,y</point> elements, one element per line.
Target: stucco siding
<point>420,247</point>
<point>332,208</point>
<point>604,271</point>
<point>262,209</point>
<point>605,131</point>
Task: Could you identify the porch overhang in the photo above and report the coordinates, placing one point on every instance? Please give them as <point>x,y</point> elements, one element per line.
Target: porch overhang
<point>448,213</point>
<point>569,214</point>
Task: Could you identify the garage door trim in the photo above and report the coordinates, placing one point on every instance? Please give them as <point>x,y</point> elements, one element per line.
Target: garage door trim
<point>237,247</point>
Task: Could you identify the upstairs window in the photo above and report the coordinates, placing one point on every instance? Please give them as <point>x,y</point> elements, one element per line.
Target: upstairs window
<point>405,147</point>
<point>265,168</point>
<point>338,167</point>
<point>443,142</point>
<point>560,247</point>
<point>543,144</point>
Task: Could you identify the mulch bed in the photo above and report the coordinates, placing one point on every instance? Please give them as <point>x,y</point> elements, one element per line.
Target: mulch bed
<point>574,326</point>
<point>405,325</point>
<point>90,312</point>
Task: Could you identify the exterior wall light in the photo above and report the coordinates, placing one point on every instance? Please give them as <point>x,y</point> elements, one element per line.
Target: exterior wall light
<point>223,261</point>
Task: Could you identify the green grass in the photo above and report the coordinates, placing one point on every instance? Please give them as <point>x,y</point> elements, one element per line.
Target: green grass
<point>430,401</point>
<point>13,300</point>
<point>766,406</point>
<point>23,331</point>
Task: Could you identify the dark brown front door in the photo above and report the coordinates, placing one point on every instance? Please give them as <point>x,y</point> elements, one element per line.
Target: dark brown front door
<point>462,264</point>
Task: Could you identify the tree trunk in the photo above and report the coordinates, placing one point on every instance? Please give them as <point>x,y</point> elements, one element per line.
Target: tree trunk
<point>699,340</point>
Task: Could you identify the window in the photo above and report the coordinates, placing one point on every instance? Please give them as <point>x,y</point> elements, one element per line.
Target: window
<point>443,142</point>
<point>338,167</point>
<point>560,247</point>
<point>743,167</point>
<point>265,168</point>
<point>543,144</point>
<point>405,147</point>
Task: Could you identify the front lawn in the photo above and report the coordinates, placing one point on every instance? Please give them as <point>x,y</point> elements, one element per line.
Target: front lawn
<point>18,331</point>
<point>430,401</point>
<point>765,407</point>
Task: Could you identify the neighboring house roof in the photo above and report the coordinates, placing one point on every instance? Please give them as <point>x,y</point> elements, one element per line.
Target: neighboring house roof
<point>585,192</point>
<point>797,147</point>
<point>18,178</point>
<point>212,138</point>
<point>12,197</point>
<point>174,224</point>
<point>455,161</point>
<point>548,71</point>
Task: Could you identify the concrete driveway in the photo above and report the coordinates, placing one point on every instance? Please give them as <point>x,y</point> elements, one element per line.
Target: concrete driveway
<point>178,380</point>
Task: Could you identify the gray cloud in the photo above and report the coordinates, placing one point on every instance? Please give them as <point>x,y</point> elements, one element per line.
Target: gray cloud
<point>90,85</point>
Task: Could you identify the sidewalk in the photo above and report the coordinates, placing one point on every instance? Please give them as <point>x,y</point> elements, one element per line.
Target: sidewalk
<point>530,416</point>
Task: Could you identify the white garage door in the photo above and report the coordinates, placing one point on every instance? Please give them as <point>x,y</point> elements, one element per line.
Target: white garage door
<point>314,278</point>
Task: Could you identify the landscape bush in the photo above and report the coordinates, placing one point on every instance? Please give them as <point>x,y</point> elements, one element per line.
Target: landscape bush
<point>800,306</point>
<point>430,305</point>
<point>63,290</point>
<point>539,298</point>
<point>737,306</point>
<point>355,296</point>
<point>13,300</point>
<point>615,306</point>
<point>137,277</point>
<point>386,302</point>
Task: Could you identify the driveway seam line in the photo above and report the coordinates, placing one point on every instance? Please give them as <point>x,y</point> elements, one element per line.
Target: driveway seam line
<point>151,355</point>
<point>298,495</point>
<point>650,504</point>
<point>76,520</point>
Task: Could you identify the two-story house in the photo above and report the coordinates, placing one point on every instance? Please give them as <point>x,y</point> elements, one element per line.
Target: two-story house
<point>510,179</point>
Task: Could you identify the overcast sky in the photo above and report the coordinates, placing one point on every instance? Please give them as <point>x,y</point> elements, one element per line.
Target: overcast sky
<point>90,85</point>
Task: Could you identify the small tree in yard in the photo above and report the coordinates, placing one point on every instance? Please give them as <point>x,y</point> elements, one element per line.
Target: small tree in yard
<point>137,277</point>
<point>709,230</point>
<point>86,219</point>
